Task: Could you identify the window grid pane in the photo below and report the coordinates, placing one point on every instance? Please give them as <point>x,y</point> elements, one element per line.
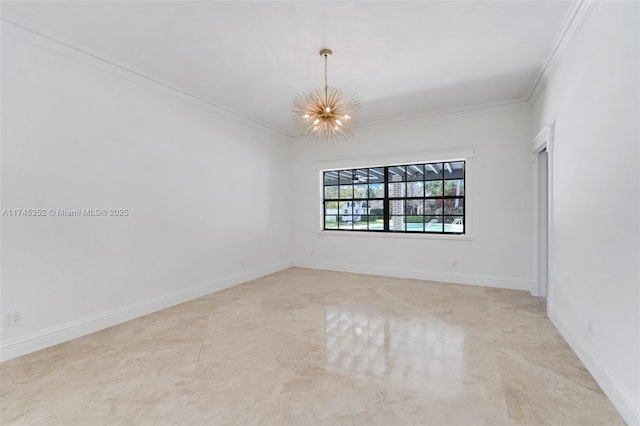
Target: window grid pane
<point>415,198</point>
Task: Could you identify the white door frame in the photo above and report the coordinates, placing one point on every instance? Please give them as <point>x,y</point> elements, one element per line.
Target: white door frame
<point>543,141</point>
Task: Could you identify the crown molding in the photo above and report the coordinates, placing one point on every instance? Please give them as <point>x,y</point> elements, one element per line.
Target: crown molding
<point>571,25</point>
<point>573,22</point>
<point>124,69</point>
<point>112,64</point>
<point>449,113</point>
<point>444,114</point>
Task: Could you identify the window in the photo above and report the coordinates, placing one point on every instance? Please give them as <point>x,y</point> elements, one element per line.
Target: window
<point>418,198</point>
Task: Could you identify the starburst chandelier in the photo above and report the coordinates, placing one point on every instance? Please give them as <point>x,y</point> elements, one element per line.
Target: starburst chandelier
<point>325,113</point>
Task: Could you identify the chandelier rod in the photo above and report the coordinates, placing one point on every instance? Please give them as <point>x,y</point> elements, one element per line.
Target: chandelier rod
<point>326,52</point>
<point>326,84</point>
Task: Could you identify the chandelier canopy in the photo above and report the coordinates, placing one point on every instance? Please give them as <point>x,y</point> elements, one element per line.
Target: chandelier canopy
<point>325,113</point>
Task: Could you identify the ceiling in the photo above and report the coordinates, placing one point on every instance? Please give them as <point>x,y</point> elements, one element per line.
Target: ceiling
<point>403,59</point>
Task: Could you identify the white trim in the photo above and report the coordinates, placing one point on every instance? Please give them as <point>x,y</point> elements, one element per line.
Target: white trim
<point>573,22</point>
<point>445,277</point>
<point>122,69</point>
<point>575,18</point>
<point>543,140</point>
<point>115,65</point>
<point>446,114</point>
<point>38,340</point>
<point>401,158</point>
<point>112,64</point>
<point>337,233</point>
<point>628,409</point>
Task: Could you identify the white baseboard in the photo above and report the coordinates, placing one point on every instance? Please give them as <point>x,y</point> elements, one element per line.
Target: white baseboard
<point>628,409</point>
<point>36,341</point>
<point>478,280</point>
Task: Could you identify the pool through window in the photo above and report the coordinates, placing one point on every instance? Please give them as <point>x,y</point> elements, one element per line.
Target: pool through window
<point>417,198</point>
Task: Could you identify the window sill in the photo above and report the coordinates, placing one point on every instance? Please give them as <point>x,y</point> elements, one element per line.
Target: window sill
<point>453,237</point>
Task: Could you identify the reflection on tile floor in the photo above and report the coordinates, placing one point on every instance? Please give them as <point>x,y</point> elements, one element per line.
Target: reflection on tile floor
<point>308,347</point>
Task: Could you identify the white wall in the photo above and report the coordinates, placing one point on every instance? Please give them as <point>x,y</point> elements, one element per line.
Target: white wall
<point>593,96</point>
<point>499,183</point>
<point>206,195</point>
<point>80,134</point>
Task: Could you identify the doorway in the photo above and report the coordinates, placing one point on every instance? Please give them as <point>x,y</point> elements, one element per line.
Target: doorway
<point>542,150</point>
<point>543,223</point>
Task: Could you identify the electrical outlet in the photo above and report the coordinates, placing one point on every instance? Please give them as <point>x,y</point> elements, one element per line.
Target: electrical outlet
<point>15,318</point>
<point>454,263</point>
<point>590,327</point>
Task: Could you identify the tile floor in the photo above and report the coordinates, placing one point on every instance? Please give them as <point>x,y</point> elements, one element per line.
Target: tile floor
<point>308,347</point>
